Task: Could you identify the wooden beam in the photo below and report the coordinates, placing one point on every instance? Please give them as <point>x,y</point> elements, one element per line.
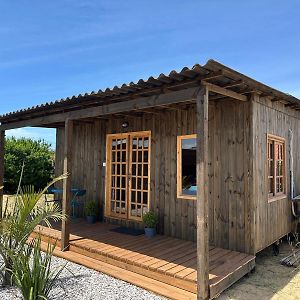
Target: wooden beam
<point>276,99</point>
<point>2,152</point>
<point>67,184</point>
<point>233,84</point>
<point>113,108</point>
<point>219,90</point>
<point>202,196</point>
<point>291,105</point>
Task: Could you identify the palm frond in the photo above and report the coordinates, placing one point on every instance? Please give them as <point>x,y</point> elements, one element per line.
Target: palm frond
<point>17,224</point>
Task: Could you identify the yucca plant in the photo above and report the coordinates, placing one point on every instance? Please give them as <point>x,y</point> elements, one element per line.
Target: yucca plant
<point>20,219</point>
<point>35,277</point>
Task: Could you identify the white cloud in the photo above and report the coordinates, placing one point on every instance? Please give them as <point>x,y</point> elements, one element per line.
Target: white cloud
<point>45,134</point>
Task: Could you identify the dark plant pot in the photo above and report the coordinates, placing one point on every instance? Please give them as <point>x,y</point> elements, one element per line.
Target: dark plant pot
<point>91,219</point>
<point>150,232</point>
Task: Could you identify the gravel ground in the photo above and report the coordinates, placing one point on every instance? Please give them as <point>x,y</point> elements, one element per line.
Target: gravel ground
<point>78,282</point>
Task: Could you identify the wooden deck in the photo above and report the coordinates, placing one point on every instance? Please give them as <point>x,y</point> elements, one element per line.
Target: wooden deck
<point>163,259</point>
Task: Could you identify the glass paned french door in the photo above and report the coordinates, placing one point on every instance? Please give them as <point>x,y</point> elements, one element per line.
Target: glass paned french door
<point>128,175</point>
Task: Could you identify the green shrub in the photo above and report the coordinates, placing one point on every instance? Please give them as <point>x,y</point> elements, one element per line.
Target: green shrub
<point>90,208</point>
<point>150,219</point>
<point>38,158</point>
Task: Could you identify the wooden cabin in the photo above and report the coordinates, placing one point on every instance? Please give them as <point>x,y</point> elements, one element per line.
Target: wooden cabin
<point>211,151</point>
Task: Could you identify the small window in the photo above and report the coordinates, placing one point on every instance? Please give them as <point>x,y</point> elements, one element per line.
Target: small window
<point>276,166</point>
<point>186,167</point>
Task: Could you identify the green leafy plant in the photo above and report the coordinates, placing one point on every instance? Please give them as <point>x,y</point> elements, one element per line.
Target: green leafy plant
<point>19,219</point>
<point>90,208</point>
<point>150,219</point>
<point>35,277</point>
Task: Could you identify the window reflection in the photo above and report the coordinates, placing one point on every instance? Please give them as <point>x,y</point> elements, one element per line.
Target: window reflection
<point>188,166</point>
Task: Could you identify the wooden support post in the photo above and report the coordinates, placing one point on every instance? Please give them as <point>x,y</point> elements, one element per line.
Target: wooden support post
<point>2,145</point>
<point>67,185</point>
<point>253,182</point>
<point>202,196</point>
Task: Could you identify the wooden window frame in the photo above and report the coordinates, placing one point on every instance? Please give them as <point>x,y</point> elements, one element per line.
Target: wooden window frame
<point>179,166</point>
<point>281,195</point>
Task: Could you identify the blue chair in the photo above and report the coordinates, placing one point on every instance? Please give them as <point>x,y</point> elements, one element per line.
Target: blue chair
<point>76,201</point>
<point>53,190</point>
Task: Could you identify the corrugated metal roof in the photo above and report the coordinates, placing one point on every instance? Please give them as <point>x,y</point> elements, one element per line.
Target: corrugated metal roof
<point>224,77</point>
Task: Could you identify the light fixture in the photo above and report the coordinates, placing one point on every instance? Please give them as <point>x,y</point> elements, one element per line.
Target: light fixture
<point>125,125</point>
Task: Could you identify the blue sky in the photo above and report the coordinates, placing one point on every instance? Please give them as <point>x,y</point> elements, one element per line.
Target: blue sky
<point>54,49</point>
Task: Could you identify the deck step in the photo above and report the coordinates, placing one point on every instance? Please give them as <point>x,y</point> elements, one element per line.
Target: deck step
<point>155,286</point>
<point>189,286</point>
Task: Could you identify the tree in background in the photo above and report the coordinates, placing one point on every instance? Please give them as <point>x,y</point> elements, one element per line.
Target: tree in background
<point>38,158</point>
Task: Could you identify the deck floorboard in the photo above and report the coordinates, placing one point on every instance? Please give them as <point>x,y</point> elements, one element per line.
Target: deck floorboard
<point>169,260</point>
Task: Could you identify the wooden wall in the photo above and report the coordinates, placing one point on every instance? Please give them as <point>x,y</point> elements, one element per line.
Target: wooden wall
<point>87,158</point>
<point>274,219</point>
<point>228,169</point>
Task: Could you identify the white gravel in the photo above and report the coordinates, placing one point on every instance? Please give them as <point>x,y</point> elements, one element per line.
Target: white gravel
<point>78,282</point>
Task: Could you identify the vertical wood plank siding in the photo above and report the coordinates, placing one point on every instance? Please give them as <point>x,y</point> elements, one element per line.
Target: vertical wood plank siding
<point>228,168</point>
<point>274,219</point>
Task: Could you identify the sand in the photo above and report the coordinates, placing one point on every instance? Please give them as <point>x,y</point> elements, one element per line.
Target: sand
<point>270,280</point>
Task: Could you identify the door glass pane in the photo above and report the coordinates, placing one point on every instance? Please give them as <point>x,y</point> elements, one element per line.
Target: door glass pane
<point>139,173</point>
<point>139,196</point>
<point>123,182</point>
<point>133,156</point>
<point>145,156</point>
<point>145,169</point>
<point>133,183</point>
<point>140,156</point>
<point>146,143</point>
<point>134,143</point>
<point>145,198</point>
<point>133,169</point>
<point>139,183</point>
<point>140,143</point>
<point>124,156</point>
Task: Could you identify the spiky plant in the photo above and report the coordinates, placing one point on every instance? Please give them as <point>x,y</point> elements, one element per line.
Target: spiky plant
<point>35,277</point>
<point>18,222</point>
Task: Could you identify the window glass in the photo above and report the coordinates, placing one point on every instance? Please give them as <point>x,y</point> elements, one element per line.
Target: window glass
<point>276,166</point>
<point>187,168</point>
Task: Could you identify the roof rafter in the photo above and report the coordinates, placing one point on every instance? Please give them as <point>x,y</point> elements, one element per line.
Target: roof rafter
<point>220,90</point>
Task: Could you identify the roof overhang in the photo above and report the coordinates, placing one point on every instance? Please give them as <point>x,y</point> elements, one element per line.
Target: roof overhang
<point>218,78</point>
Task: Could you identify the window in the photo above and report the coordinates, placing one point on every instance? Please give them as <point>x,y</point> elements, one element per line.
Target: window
<point>186,167</point>
<point>276,166</point>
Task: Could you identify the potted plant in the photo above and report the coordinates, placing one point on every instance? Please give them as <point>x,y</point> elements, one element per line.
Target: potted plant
<point>150,220</point>
<point>90,211</point>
